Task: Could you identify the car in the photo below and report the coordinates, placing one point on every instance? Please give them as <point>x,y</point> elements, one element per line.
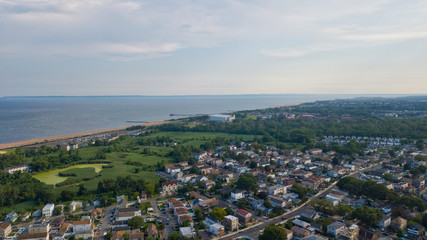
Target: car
<point>283,218</point>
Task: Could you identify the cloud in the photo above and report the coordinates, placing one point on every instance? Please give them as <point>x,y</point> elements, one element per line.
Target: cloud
<point>134,28</point>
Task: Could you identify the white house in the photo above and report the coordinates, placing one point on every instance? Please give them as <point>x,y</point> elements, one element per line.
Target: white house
<point>236,195</point>
<point>48,210</point>
<point>335,228</point>
<point>276,189</point>
<point>83,229</point>
<point>75,205</point>
<point>217,229</point>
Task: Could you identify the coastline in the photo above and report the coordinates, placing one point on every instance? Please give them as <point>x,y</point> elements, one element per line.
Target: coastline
<point>12,145</point>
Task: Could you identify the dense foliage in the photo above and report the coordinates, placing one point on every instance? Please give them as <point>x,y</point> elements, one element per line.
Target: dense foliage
<point>377,191</point>
<point>273,232</point>
<point>21,187</point>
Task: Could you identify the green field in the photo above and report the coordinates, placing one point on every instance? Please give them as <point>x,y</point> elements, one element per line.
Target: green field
<point>130,150</point>
<point>52,177</point>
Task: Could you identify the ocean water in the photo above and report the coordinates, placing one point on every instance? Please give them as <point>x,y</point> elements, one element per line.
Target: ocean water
<point>25,118</point>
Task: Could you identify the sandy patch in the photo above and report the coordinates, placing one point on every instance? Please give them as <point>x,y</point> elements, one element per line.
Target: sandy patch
<point>34,141</point>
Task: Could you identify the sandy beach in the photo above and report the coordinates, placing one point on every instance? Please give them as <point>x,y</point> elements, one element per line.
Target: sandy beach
<point>75,135</point>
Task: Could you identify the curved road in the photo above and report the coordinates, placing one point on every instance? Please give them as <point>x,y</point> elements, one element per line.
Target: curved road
<point>253,231</point>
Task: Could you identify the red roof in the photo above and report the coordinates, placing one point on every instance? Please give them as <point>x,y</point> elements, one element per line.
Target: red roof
<point>4,225</point>
<point>242,212</point>
<point>169,183</point>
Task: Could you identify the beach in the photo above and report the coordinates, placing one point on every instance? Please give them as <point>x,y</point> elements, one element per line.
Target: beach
<point>71,136</point>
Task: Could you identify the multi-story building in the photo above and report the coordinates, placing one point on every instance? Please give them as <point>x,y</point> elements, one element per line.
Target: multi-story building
<point>83,229</point>
<point>39,228</point>
<point>48,210</point>
<point>335,228</point>
<point>217,229</point>
<point>243,216</point>
<point>5,229</point>
<point>170,188</point>
<point>231,222</point>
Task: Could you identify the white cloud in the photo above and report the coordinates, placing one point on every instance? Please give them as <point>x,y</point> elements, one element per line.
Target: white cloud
<point>101,28</point>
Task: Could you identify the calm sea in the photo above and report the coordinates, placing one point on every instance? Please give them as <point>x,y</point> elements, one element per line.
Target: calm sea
<point>25,118</point>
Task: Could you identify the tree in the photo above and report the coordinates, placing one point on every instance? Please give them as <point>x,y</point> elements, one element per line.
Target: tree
<point>420,144</point>
<point>149,188</point>
<point>229,210</point>
<point>267,204</point>
<point>247,182</point>
<point>262,195</point>
<point>136,222</point>
<point>387,177</point>
<point>273,232</point>
<point>323,205</point>
<point>67,195</point>
<point>369,216</point>
<point>253,165</point>
<point>82,190</point>
<point>218,213</point>
<point>175,236</point>
<point>243,203</point>
<point>343,210</point>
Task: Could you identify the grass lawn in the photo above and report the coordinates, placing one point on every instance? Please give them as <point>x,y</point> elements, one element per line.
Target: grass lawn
<point>19,208</point>
<point>131,151</point>
<point>51,177</point>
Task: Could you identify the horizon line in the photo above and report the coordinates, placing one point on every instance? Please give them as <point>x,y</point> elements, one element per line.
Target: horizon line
<point>213,95</point>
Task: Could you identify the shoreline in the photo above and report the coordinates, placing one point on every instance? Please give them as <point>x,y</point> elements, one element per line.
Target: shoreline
<point>12,145</point>
<point>5,146</point>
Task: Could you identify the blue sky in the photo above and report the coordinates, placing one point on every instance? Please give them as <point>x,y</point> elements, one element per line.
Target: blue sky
<point>108,47</point>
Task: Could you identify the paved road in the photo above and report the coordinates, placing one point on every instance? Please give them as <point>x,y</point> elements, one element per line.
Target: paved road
<point>254,230</point>
<point>168,228</point>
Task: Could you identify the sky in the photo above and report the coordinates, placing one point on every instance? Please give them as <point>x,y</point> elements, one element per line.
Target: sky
<point>138,47</point>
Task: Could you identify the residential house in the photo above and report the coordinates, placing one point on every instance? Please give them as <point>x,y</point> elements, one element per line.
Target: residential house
<point>11,217</point>
<point>208,184</point>
<point>244,216</point>
<point>83,229</point>
<point>5,229</point>
<point>289,234</point>
<point>416,231</point>
<point>365,234</point>
<point>237,195</point>
<point>277,201</point>
<point>75,205</point>
<point>48,210</point>
<point>169,188</point>
<point>25,216</point>
<point>186,232</point>
<point>350,233</point>
<point>301,223</point>
<point>385,222</point>
<point>313,181</point>
<point>309,215</point>
<point>152,231</point>
<point>217,229</point>
<point>39,228</point>
<point>231,222</point>
<point>57,222</point>
<point>335,228</point>
<point>398,223</point>
<point>276,189</point>
<point>300,232</point>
